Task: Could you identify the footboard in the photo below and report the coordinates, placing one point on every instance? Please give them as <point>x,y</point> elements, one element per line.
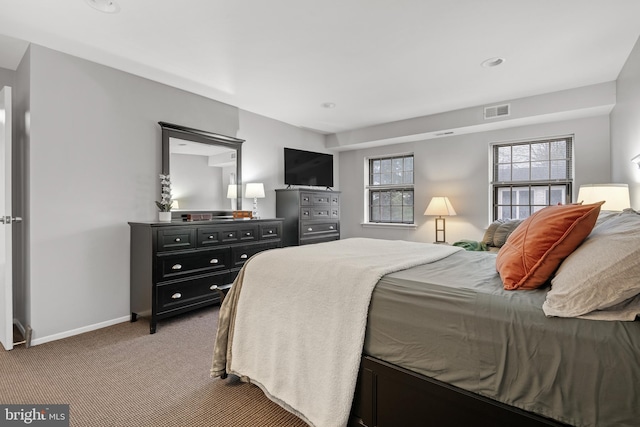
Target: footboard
<point>390,396</point>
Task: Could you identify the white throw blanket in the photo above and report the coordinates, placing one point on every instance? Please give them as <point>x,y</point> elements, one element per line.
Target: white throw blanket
<point>301,317</point>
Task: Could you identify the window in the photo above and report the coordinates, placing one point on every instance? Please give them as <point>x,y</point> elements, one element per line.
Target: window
<point>390,189</point>
<point>527,176</point>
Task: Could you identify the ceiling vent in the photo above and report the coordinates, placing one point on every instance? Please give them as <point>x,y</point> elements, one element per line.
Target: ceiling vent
<point>497,111</point>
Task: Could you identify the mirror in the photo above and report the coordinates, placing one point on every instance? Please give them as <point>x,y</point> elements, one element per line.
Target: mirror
<point>204,167</point>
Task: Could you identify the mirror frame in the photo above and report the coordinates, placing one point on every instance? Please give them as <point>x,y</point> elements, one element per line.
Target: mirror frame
<point>170,130</point>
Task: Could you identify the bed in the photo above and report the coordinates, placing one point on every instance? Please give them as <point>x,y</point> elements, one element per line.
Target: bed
<point>441,341</point>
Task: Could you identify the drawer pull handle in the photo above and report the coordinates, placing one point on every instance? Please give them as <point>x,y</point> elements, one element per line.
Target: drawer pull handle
<point>178,239</point>
<point>270,231</point>
<point>331,227</point>
<point>177,267</point>
<point>230,234</point>
<point>214,261</point>
<point>309,229</point>
<point>306,213</point>
<point>248,233</point>
<point>210,237</point>
<point>213,287</point>
<point>177,295</point>
<point>244,256</point>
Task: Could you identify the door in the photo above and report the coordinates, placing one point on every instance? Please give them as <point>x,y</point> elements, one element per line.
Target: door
<point>6,282</point>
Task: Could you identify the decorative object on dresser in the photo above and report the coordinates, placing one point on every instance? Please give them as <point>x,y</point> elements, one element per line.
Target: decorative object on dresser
<point>181,266</point>
<point>165,204</point>
<point>440,206</point>
<point>242,214</point>
<point>310,216</point>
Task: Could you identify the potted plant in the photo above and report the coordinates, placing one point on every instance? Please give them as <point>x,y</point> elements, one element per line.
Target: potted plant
<point>165,199</point>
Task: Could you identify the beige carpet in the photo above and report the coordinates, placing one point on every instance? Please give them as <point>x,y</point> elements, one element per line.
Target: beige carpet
<point>122,376</point>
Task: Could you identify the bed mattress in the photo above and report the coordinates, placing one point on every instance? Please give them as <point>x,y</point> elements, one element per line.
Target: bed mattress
<point>451,320</point>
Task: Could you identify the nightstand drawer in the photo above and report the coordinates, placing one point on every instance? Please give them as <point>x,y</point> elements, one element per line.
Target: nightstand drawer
<point>174,296</point>
<point>176,238</point>
<point>173,266</point>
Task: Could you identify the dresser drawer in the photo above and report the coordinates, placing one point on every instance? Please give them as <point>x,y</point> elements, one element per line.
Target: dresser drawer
<point>271,231</point>
<point>246,233</point>
<point>317,229</point>
<point>173,266</point>
<point>240,254</point>
<point>321,200</point>
<point>315,213</point>
<point>209,236</point>
<point>306,199</point>
<point>249,233</point>
<point>176,238</point>
<point>177,295</point>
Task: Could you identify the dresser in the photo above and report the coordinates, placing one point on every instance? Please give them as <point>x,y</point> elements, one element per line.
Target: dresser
<point>181,266</point>
<point>310,216</point>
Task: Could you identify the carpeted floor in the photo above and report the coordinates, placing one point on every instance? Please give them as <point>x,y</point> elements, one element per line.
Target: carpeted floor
<point>122,376</point>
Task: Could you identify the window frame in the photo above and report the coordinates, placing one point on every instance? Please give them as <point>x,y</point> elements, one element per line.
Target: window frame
<point>531,185</point>
<point>370,189</point>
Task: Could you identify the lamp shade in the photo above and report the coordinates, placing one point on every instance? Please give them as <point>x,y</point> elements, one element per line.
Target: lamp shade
<point>440,206</point>
<point>232,191</point>
<point>254,190</point>
<point>616,196</point>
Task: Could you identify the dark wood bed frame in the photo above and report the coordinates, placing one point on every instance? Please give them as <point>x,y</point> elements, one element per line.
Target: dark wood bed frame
<point>390,396</point>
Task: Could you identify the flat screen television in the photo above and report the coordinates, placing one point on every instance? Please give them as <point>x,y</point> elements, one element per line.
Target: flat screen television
<point>308,168</point>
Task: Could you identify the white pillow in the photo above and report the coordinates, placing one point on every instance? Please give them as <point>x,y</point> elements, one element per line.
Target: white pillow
<point>601,274</point>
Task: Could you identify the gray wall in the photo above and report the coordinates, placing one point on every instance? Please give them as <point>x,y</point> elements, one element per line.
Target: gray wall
<point>94,159</point>
<point>625,126</point>
<point>263,155</point>
<point>7,77</point>
<point>458,167</point>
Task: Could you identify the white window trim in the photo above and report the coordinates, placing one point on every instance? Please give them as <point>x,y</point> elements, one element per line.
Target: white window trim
<point>527,140</point>
<point>366,223</point>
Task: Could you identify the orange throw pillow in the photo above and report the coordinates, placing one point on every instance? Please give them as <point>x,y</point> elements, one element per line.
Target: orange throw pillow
<point>536,248</point>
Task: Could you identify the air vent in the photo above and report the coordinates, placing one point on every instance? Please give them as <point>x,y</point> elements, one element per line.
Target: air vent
<point>497,111</point>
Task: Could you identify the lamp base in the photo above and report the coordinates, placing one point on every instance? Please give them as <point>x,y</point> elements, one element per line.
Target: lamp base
<point>255,208</point>
<point>440,230</point>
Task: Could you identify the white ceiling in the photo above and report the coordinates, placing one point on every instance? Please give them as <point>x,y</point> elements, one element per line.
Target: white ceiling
<point>377,60</point>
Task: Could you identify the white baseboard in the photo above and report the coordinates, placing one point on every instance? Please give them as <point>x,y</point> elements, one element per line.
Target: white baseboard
<point>79,331</point>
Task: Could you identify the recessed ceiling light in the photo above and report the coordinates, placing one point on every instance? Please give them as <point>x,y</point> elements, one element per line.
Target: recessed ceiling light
<point>106,6</point>
<point>493,62</point>
<point>328,105</point>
